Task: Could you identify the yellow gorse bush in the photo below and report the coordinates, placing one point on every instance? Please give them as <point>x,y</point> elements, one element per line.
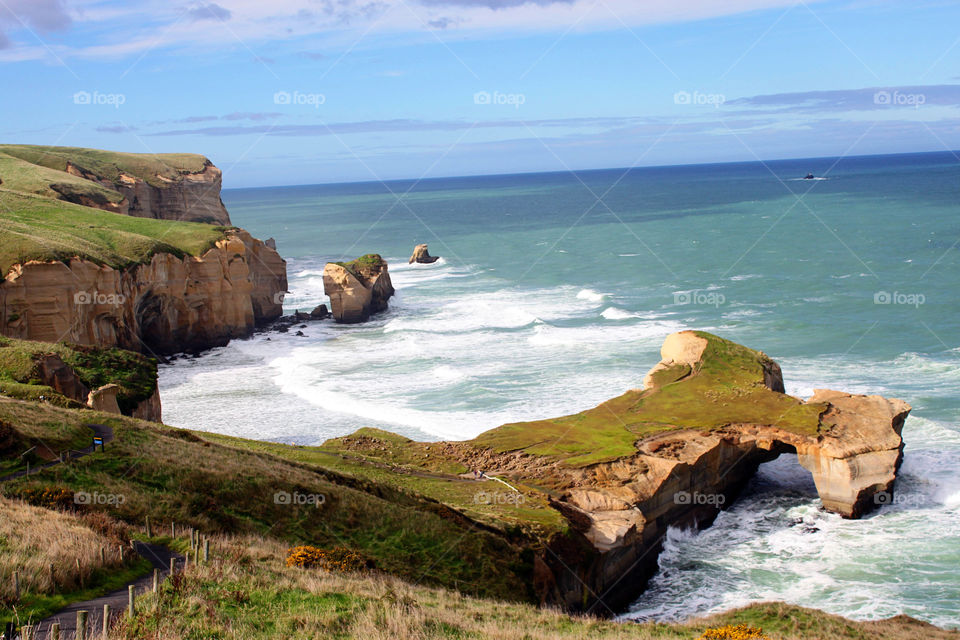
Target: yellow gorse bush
<point>731,632</point>
<point>337,559</point>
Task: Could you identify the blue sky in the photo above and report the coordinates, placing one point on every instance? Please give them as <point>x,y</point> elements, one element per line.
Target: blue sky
<point>308,91</point>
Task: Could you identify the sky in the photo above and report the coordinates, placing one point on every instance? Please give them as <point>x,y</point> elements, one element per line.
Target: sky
<point>315,91</point>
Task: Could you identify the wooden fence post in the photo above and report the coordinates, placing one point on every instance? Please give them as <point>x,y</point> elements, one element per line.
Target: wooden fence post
<point>156,580</point>
<point>121,554</point>
<point>82,625</point>
<point>148,532</point>
<point>131,600</point>
<point>173,566</point>
<point>55,631</point>
<point>173,529</point>
<point>206,550</point>
<point>105,627</point>
<point>103,556</point>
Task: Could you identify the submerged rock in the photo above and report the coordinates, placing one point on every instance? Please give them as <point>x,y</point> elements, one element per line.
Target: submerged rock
<point>357,289</point>
<point>422,256</point>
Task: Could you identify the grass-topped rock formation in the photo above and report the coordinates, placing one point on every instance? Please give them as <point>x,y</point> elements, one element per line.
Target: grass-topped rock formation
<point>165,186</point>
<point>672,453</point>
<point>79,266</point>
<point>358,288</point>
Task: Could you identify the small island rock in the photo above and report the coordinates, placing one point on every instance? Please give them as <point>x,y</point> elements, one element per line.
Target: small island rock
<point>422,256</point>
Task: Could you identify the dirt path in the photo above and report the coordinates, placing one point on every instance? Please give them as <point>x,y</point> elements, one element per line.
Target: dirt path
<point>99,431</point>
<point>117,600</point>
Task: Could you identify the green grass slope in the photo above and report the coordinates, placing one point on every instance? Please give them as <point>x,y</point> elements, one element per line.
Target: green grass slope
<point>136,374</point>
<point>153,168</point>
<point>177,475</point>
<point>33,227</point>
<point>727,387</point>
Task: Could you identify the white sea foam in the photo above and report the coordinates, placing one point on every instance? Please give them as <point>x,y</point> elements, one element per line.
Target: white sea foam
<point>614,313</point>
<point>591,295</point>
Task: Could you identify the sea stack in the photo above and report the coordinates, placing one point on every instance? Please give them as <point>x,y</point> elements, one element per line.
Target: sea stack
<point>422,256</point>
<point>357,289</point>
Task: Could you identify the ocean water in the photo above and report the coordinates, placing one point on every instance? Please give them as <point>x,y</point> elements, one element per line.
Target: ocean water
<point>554,293</point>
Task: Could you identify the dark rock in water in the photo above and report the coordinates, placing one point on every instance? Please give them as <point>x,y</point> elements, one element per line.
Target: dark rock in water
<point>299,333</point>
<point>422,256</point>
<point>320,312</point>
<point>283,328</point>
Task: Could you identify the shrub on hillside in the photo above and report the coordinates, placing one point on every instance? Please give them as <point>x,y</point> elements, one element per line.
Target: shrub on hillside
<point>338,559</point>
<point>49,497</point>
<point>733,632</point>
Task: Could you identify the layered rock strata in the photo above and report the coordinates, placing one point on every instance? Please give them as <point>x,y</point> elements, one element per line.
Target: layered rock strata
<point>357,289</point>
<point>168,305</point>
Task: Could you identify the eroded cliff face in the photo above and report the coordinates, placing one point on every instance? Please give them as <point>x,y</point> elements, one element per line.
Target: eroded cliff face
<point>187,197</point>
<point>619,510</point>
<point>169,305</point>
<point>358,289</point>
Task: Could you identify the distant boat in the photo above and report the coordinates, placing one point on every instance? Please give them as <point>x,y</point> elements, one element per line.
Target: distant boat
<point>809,176</point>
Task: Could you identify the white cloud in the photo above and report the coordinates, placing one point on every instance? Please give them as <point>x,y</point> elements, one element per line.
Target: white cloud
<point>156,24</point>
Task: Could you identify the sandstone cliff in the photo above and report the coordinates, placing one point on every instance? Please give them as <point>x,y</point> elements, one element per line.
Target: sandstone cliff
<point>357,289</point>
<point>169,305</point>
<point>182,187</point>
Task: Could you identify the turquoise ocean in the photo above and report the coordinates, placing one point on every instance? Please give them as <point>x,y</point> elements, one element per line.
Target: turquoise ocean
<point>554,292</point>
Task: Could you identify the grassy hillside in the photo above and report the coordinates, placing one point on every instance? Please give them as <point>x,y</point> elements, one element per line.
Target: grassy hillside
<point>248,592</point>
<point>33,227</point>
<point>20,175</point>
<point>153,168</point>
<point>176,475</point>
<point>136,374</point>
<point>32,539</point>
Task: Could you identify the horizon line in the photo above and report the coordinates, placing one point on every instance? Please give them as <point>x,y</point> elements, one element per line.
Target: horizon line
<point>953,152</point>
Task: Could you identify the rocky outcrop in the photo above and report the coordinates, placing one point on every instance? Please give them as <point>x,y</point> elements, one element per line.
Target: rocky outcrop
<point>105,399</point>
<point>187,196</point>
<point>422,256</point>
<point>169,305</point>
<point>149,409</point>
<point>357,289</point>
<point>53,372</point>
<point>58,375</point>
<point>690,458</point>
